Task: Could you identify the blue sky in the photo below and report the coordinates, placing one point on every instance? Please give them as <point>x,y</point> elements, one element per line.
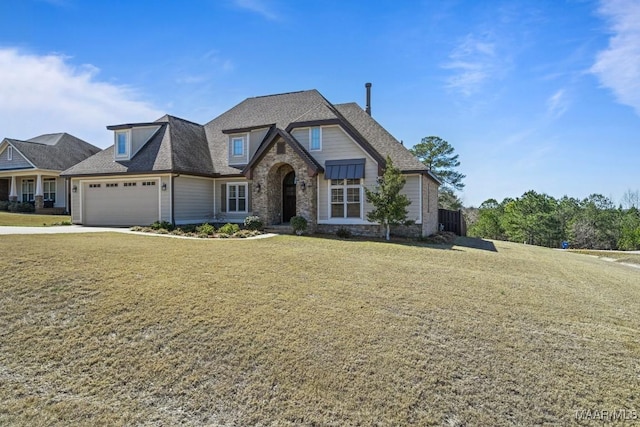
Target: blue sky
<point>534,95</point>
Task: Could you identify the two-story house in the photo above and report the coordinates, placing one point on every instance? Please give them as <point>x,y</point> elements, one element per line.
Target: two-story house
<point>273,156</point>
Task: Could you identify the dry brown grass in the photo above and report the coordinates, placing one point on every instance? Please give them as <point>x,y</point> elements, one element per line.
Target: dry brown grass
<point>31,220</point>
<point>618,256</point>
<point>106,329</point>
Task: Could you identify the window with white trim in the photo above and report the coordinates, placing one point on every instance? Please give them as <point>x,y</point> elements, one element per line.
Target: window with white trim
<point>28,189</point>
<point>315,139</point>
<point>237,197</point>
<point>122,143</point>
<point>346,198</point>
<point>237,147</point>
<point>10,153</point>
<point>49,189</point>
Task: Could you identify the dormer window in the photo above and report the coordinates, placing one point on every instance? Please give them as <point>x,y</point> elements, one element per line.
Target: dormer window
<point>123,144</point>
<point>239,149</point>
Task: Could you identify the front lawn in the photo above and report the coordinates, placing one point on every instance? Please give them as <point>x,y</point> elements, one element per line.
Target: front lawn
<point>32,220</point>
<point>111,329</point>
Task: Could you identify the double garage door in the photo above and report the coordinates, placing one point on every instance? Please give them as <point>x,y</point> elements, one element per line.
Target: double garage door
<point>121,203</point>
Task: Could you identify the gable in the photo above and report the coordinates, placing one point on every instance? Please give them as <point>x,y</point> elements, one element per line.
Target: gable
<point>18,161</point>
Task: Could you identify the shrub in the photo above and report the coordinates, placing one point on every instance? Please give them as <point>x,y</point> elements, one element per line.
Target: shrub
<point>189,228</point>
<point>206,229</point>
<point>24,207</point>
<point>343,233</point>
<point>4,205</point>
<point>253,223</point>
<point>229,229</point>
<point>161,225</point>
<point>246,233</point>
<point>299,224</point>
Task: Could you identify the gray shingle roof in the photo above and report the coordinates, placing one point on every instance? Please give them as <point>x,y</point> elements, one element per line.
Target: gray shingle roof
<point>279,110</point>
<point>186,147</point>
<point>179,146</point>
<point>56,151</point>
<point>381,140</point>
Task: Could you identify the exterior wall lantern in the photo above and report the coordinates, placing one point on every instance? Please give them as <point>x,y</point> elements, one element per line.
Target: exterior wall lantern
<point>258,187</point>
<point>75,189</point>
<point>164,186</point>
<point>303,185</point>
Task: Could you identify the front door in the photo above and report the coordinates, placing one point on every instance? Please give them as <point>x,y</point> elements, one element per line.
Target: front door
<point>289,196</point>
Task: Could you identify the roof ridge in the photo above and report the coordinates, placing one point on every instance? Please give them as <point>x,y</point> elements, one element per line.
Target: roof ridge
<point>182,120</point>
<point>284,93</point>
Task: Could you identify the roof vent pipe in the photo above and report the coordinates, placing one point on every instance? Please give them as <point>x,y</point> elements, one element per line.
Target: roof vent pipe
<point>368,109</point>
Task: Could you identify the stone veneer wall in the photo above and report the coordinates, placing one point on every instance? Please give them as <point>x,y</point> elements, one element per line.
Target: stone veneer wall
<point>269,174</point>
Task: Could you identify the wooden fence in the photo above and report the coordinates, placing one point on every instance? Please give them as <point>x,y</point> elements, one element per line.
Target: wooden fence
<point>452,221</point>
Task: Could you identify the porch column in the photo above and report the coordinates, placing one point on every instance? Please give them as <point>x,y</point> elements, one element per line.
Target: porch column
<point>13,194</point>
<point>39,196</point>
<point>39,186</point>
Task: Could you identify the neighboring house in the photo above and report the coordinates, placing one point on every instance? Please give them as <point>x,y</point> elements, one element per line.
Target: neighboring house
<point>273,156</point>
<point>30,170</point>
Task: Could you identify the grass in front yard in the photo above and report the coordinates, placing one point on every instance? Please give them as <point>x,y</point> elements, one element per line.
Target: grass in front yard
<point>104,329</point>
<point>32,220</point>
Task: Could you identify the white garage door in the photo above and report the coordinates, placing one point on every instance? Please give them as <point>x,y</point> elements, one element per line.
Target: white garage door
<point>132,202</point>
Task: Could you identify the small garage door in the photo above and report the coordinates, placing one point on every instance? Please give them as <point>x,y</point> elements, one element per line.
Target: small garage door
<point>133,202</point>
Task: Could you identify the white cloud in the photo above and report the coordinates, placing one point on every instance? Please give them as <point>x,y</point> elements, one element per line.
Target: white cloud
<point>46,94</point>
<point>473,62</point>
<point>261,7</point>
<point>618,66</point>
<point>557,104</point>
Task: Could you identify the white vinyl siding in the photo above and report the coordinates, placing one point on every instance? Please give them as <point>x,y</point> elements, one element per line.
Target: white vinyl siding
<point>165,198</point>
<point>337,145</point>
<point>412,190</point>
<point>140,136</point>
<point>193,200</point>
<point>76,216</point>
<point>255,139</point>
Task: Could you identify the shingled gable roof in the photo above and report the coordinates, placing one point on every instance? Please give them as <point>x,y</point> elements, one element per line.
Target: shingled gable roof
<point>179,146</point>
<point>382,141</point>
<point>270,139</point>
<point>262,112</point>
<point>56,151</point>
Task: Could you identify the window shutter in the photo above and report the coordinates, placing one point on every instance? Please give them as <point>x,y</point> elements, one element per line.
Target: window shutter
<point>249,197</point>
<point>223,198</point>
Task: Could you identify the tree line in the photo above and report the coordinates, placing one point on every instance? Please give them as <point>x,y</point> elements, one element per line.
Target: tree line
<point>539,219</point>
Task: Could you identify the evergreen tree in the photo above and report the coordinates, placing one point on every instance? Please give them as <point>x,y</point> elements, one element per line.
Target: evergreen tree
<point>437,154</point>
<point>390,207</point>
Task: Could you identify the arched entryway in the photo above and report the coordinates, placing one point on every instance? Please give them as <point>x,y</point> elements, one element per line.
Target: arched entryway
<point>289,196</point>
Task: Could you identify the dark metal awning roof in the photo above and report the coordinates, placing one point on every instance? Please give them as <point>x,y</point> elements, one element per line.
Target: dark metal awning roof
<point>344,169</point>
